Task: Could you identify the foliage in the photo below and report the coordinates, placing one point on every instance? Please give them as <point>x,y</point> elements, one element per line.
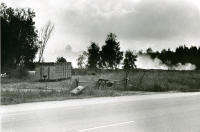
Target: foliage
<point>182,54</point>
<point>61,59</point>
<point>111,55</point>
<point>81,60</point>
<point>19,37</point>
<point>149,51</point>
<point>140,52</point>
<point>129,61</point>
<point>44,35</point>
<point>22,71</point>
<point>31,66</point>
<point>93,55</point>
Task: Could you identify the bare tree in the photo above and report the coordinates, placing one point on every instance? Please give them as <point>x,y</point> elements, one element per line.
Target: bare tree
<point>81,60</point>
<point>44,35</point>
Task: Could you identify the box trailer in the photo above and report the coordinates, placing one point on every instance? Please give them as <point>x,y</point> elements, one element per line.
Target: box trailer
<point>53,71</point>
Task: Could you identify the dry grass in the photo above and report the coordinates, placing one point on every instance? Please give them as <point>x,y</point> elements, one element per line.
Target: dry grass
<point>168,80</point>
<point>30,90</point>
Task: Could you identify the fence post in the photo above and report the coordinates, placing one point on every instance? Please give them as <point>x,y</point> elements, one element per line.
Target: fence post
<point>77,82</point>
<point>126,80</point>
<point>48,73</point>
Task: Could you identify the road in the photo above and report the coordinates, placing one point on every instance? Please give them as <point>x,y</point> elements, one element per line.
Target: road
<point>164,112</point>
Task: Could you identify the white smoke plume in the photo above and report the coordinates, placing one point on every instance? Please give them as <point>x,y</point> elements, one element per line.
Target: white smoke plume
<point>143,61</point>
<point>187,66</point>
<point>146,62</point>
<point>67,53</point>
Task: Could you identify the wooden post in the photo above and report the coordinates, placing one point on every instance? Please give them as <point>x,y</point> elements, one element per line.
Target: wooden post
<point>48,73</point>
<point>77,82</point>
<point>126,81</point>
<point>40,72</point>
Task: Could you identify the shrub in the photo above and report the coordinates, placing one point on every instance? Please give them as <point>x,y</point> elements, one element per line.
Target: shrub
<point>157,88</point>
<point>22,71</point>
<point>184,89</point>
<point>43,94</point>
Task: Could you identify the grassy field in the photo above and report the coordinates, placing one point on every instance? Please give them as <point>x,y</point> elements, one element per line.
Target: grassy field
<point>14,91</point>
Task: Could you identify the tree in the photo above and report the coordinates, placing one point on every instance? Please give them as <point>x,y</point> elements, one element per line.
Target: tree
<point>61,59</point>
<point>93,55</point>
<point>19,37</point>
<point>181,55</point>
<point>44,35</point>
<point>119,56</point>
<point>140,52</point>
<point>149,51</point>
<point>129,61</point>
<point>81,61</point>
<point>111,55</point>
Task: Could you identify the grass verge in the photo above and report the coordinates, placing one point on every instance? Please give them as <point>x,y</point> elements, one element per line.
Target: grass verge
<point>15,91</point>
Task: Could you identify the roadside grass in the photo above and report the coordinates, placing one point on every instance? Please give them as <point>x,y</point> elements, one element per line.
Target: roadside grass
<point>161,81</point>
<point>15,91</point>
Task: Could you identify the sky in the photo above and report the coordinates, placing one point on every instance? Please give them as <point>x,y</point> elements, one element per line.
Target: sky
<point>138,24</point>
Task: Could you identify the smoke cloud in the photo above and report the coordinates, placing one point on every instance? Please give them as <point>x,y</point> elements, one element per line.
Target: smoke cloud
<point>67,53</point>
<point>146,62</point>
<point>187,66</point>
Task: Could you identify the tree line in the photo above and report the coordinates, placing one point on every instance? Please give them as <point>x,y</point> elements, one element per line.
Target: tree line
<point>182,54</point>
<point>109,56</point>
<point>20,39</point>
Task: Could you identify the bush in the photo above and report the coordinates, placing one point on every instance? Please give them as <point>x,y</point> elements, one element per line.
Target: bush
<point>157,88</point>
<point>154,88</point>
<point>184,89</point>
<point>43,94</point>
<point>20,72</point>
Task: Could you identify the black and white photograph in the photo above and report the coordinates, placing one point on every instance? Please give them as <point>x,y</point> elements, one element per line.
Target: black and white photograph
<point>100,66</point>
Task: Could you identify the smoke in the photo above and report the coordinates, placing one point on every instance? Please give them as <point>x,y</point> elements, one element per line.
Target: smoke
<point>146,62</point>
<point>187,66</point>
<point>67,53</point>
<point>143,61</point>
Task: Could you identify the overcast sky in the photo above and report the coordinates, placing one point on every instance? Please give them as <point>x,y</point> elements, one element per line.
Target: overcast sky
<point>138,24</point>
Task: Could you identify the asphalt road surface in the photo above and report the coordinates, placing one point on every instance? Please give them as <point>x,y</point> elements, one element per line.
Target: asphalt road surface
<point>169,112</point>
